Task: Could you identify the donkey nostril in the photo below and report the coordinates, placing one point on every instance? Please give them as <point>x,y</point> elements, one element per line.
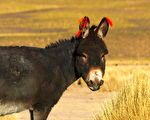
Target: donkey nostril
<point>91,82</point>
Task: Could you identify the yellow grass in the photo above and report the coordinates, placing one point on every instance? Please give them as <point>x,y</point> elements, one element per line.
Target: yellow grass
<point>34,23</point>
<point>133,100</point>
<point>8,117</point>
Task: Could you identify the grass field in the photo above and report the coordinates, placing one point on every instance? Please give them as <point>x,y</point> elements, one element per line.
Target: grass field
<point>117,76</point>
<point>133,99</point>
<point>131,81</point>
<point>40,22</point>
<point>8,117</point>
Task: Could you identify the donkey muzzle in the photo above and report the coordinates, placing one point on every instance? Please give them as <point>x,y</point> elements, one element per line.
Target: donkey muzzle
<point>95,86</point>
<point>94,79</point>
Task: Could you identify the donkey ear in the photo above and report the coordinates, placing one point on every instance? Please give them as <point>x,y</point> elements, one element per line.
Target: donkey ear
<point>84,26</point>
<point>85,33</point>
<point>103,27</point>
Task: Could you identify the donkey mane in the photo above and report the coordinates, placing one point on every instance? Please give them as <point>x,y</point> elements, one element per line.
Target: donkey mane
<point>65,42</point>
<point>61,43</point>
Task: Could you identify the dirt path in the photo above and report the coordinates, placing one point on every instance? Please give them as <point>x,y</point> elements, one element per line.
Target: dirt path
<point>77,103</point>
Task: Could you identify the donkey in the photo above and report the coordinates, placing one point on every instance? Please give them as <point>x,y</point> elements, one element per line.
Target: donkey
<point>35,78</point>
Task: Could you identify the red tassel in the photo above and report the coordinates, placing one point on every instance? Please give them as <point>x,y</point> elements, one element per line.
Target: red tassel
<point>80,20</point>
<point>109,21</point>
<point>82,24</point>
<point>78,33</point>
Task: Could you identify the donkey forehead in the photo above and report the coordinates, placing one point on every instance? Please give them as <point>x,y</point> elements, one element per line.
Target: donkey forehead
<point>93,45</point>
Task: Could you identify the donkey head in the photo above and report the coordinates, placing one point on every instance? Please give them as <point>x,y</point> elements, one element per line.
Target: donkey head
<point>90,55</point>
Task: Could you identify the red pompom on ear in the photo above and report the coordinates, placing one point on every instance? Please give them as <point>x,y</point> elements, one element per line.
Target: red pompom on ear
<point>83,25</point>
<point>80,20</point>
<point>78,33</point>
<point>109,21</point>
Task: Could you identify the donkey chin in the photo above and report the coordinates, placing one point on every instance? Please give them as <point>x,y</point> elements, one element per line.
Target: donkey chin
<point>94,80</point>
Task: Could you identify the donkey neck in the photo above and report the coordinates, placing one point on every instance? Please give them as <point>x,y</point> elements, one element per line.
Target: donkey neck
<point>64,52</point>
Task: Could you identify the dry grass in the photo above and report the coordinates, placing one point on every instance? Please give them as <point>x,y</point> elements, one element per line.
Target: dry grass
<point>36,23</point>
<point>8,117</point>
<point>133,100</point>
<point>118,72</point>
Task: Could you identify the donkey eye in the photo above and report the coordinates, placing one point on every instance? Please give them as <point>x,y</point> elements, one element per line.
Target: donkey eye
<point>83,57</point>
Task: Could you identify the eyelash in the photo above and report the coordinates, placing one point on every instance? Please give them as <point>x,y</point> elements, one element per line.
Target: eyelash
<point>82,55</point>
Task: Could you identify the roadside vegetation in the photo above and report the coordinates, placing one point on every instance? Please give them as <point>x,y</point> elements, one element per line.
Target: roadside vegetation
<point>132,101</point>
